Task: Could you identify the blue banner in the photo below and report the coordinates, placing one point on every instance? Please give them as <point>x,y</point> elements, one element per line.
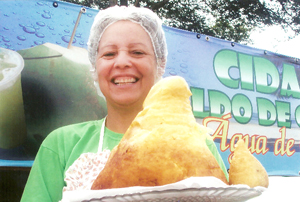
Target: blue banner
<point>238,91</point>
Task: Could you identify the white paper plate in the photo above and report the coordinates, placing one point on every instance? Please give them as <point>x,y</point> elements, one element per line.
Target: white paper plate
<point>192,189</point>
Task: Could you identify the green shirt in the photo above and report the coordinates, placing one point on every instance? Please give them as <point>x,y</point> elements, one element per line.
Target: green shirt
<point>59,151</point>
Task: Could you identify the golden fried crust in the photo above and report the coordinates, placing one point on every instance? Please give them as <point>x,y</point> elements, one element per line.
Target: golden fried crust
<point>246,169</point>
<point>162,145</point>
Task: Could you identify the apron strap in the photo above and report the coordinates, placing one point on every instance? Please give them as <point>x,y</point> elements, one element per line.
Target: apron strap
<point>101,136</point>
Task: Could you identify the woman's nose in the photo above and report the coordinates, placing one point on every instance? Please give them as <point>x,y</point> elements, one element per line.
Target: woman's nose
<point>122,60</point>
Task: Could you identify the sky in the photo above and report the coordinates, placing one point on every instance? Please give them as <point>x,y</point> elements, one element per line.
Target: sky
<point>274,39</point>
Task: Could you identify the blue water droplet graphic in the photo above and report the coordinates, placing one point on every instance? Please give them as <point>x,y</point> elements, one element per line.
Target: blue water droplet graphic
<point>183,65</point>
<point>21,38</point>
<point>5,39</point>
<point>5,28</point>
<point>40,23</point>
<point>67,31</point>
<point>29,30</point>
<point>184,71</point>
<point>173,73</point>
<point>36,27</point>
<point>38,42</point>
<point>8,45</point>
<point>40,3</point>
<point>67,39</point>
<point>46,16</point>
<point>40,35</point>
<point>50,27</point>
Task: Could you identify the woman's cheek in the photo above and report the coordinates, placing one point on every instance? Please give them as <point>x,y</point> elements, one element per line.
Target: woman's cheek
<point>101,69</point>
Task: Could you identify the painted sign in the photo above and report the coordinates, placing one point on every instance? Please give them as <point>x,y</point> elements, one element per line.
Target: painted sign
<point>238,91</point>
<point>242,92</point>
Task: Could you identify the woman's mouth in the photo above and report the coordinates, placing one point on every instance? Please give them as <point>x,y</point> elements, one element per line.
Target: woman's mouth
<point>124,80</point>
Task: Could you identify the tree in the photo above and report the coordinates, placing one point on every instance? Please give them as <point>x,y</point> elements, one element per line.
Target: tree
<point>226,19</point>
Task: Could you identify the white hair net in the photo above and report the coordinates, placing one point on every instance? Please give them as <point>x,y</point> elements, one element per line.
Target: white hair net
<point>144,17</point>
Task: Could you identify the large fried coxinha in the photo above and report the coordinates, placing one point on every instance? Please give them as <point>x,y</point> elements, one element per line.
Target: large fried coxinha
<point>246,169</point>
<point>164,144</point>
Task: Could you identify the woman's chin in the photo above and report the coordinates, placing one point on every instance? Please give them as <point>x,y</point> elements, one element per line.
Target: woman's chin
<point>128,101</point>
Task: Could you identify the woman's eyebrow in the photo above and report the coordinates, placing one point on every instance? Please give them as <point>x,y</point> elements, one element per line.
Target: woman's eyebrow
<point>137,44</point>
<point>113,46</point>
<point>108,46</point>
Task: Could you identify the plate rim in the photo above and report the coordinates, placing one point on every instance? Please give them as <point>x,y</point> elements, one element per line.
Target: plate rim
<point>255,192</point>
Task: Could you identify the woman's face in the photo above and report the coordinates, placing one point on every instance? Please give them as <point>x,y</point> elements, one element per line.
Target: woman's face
<point>126,64</point>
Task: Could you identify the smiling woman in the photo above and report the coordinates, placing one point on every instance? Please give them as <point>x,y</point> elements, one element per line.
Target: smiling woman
<point>128,52</point>
<point>127,49</point>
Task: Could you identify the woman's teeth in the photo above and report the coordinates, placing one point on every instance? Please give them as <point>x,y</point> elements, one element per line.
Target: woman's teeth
<point>123,81</point>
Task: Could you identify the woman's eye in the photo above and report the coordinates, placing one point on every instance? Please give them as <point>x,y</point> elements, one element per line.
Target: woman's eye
<point>138,52</point>
<point>109,54</point>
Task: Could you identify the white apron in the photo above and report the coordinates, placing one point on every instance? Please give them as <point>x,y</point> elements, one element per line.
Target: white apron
<point>83,172</point>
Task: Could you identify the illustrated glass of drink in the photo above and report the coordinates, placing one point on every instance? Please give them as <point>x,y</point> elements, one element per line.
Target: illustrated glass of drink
<point>12,118</point>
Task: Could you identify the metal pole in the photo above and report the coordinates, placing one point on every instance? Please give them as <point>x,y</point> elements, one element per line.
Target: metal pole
<point>82,10</point>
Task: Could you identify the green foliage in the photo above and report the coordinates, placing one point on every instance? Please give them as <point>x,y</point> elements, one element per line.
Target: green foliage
<point>227,19</point>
